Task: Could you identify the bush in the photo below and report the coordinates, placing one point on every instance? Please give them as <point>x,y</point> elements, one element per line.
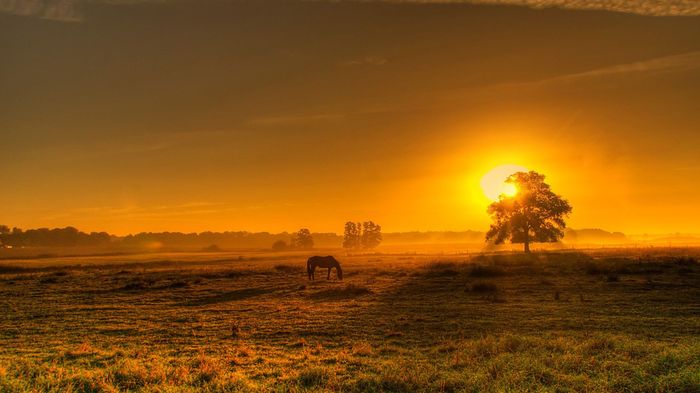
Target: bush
<point>685,261</point>
<point>48,280</point>
<point>484,287</point>
<point>594,269</point>
<point>279,245</point>
<point>439,269</point>
<point>486,271</point>
<point>211,248</point>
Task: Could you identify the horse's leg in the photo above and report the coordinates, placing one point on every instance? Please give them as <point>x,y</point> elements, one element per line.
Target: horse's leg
<point>329,273</point>
<point>313,273</point>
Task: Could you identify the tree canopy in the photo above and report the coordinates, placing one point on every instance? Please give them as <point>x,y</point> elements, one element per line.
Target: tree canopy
<point>533,214</point>
<point>303,240</point>
<point>362,235</point>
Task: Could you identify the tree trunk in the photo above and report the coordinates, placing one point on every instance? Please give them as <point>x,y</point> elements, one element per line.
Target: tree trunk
<point>527,238</point>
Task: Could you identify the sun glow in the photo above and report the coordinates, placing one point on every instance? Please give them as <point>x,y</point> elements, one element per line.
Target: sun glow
<point>494,182</point>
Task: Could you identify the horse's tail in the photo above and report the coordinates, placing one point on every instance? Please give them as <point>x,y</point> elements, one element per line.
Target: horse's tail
<point>338,270</point>
<point>308,267</point>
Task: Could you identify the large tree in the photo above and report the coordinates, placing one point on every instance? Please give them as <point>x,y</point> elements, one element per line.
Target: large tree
<point>362,235</point>
<point>533,214</point>
<point>303,240</point>
<point>351,236</point>
<point>371,235</point>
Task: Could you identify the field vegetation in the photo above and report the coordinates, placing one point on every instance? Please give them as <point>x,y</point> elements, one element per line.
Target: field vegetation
<point>604,320</point>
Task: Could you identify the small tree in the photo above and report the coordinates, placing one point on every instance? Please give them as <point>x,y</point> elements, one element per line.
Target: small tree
<point>533,214</point>
<point>371,235</point>
<point>4,230</point>
<point>279,245</point>
<point>351,236</point>
<point>303,239</point>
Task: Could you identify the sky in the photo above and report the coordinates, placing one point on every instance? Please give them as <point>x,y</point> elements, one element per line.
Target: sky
<point>129,116</point>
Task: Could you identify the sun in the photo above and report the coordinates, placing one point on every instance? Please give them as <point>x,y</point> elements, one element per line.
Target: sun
<point>494,182</point>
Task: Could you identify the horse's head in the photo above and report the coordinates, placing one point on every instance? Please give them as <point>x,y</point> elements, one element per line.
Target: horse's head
<point>338,269</point>
<point>340,272</point>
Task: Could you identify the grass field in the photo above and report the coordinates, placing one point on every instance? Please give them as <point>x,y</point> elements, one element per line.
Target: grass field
<point>604,320</point>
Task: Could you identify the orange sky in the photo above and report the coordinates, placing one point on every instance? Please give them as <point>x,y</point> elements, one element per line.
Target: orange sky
<point>193,116</point>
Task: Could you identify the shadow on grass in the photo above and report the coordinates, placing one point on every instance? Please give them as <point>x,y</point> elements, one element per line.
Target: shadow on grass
<point>451,299</point>
<point>231,296</point>
<point>348,292</point>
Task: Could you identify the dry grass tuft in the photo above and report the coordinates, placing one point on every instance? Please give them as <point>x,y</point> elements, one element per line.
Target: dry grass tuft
<point>441,269</point>
<point>235,330</point>
<point>131,374</point>
<point>207,368</point>
<point>289,269</point>
<point>362,349</point>
<point>313,377</point>
<point>300,343</point>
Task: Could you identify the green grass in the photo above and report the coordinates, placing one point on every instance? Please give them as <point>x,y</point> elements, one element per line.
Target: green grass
<point>553,321</point>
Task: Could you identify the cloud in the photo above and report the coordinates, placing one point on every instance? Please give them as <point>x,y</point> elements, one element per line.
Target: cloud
<point>665,64</point>
<point>71,10</point>
<point>642,7</point>
<point>438,98</point>
<point>58,10</point>
<point>674,63</point>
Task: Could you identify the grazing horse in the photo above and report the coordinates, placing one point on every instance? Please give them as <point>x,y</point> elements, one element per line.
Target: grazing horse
<point>327,261</point>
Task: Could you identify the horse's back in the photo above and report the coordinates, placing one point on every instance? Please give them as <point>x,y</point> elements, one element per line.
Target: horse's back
<point>322,261</point>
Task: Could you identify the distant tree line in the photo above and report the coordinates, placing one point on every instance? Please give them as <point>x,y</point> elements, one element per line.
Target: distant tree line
<point>57,237</point>
<point>355,237</point>
<point>69,237</point>
<point>302,239</point>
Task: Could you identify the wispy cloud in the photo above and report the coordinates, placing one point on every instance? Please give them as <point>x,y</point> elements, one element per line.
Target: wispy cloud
<point>134,212</point>
<point>58,10</point>
<point>71,10</point>
<point>665,64</point>
<point>642,7</point>
<point>439,98</point>
<point>295,119</point>
<point>673,63</point>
